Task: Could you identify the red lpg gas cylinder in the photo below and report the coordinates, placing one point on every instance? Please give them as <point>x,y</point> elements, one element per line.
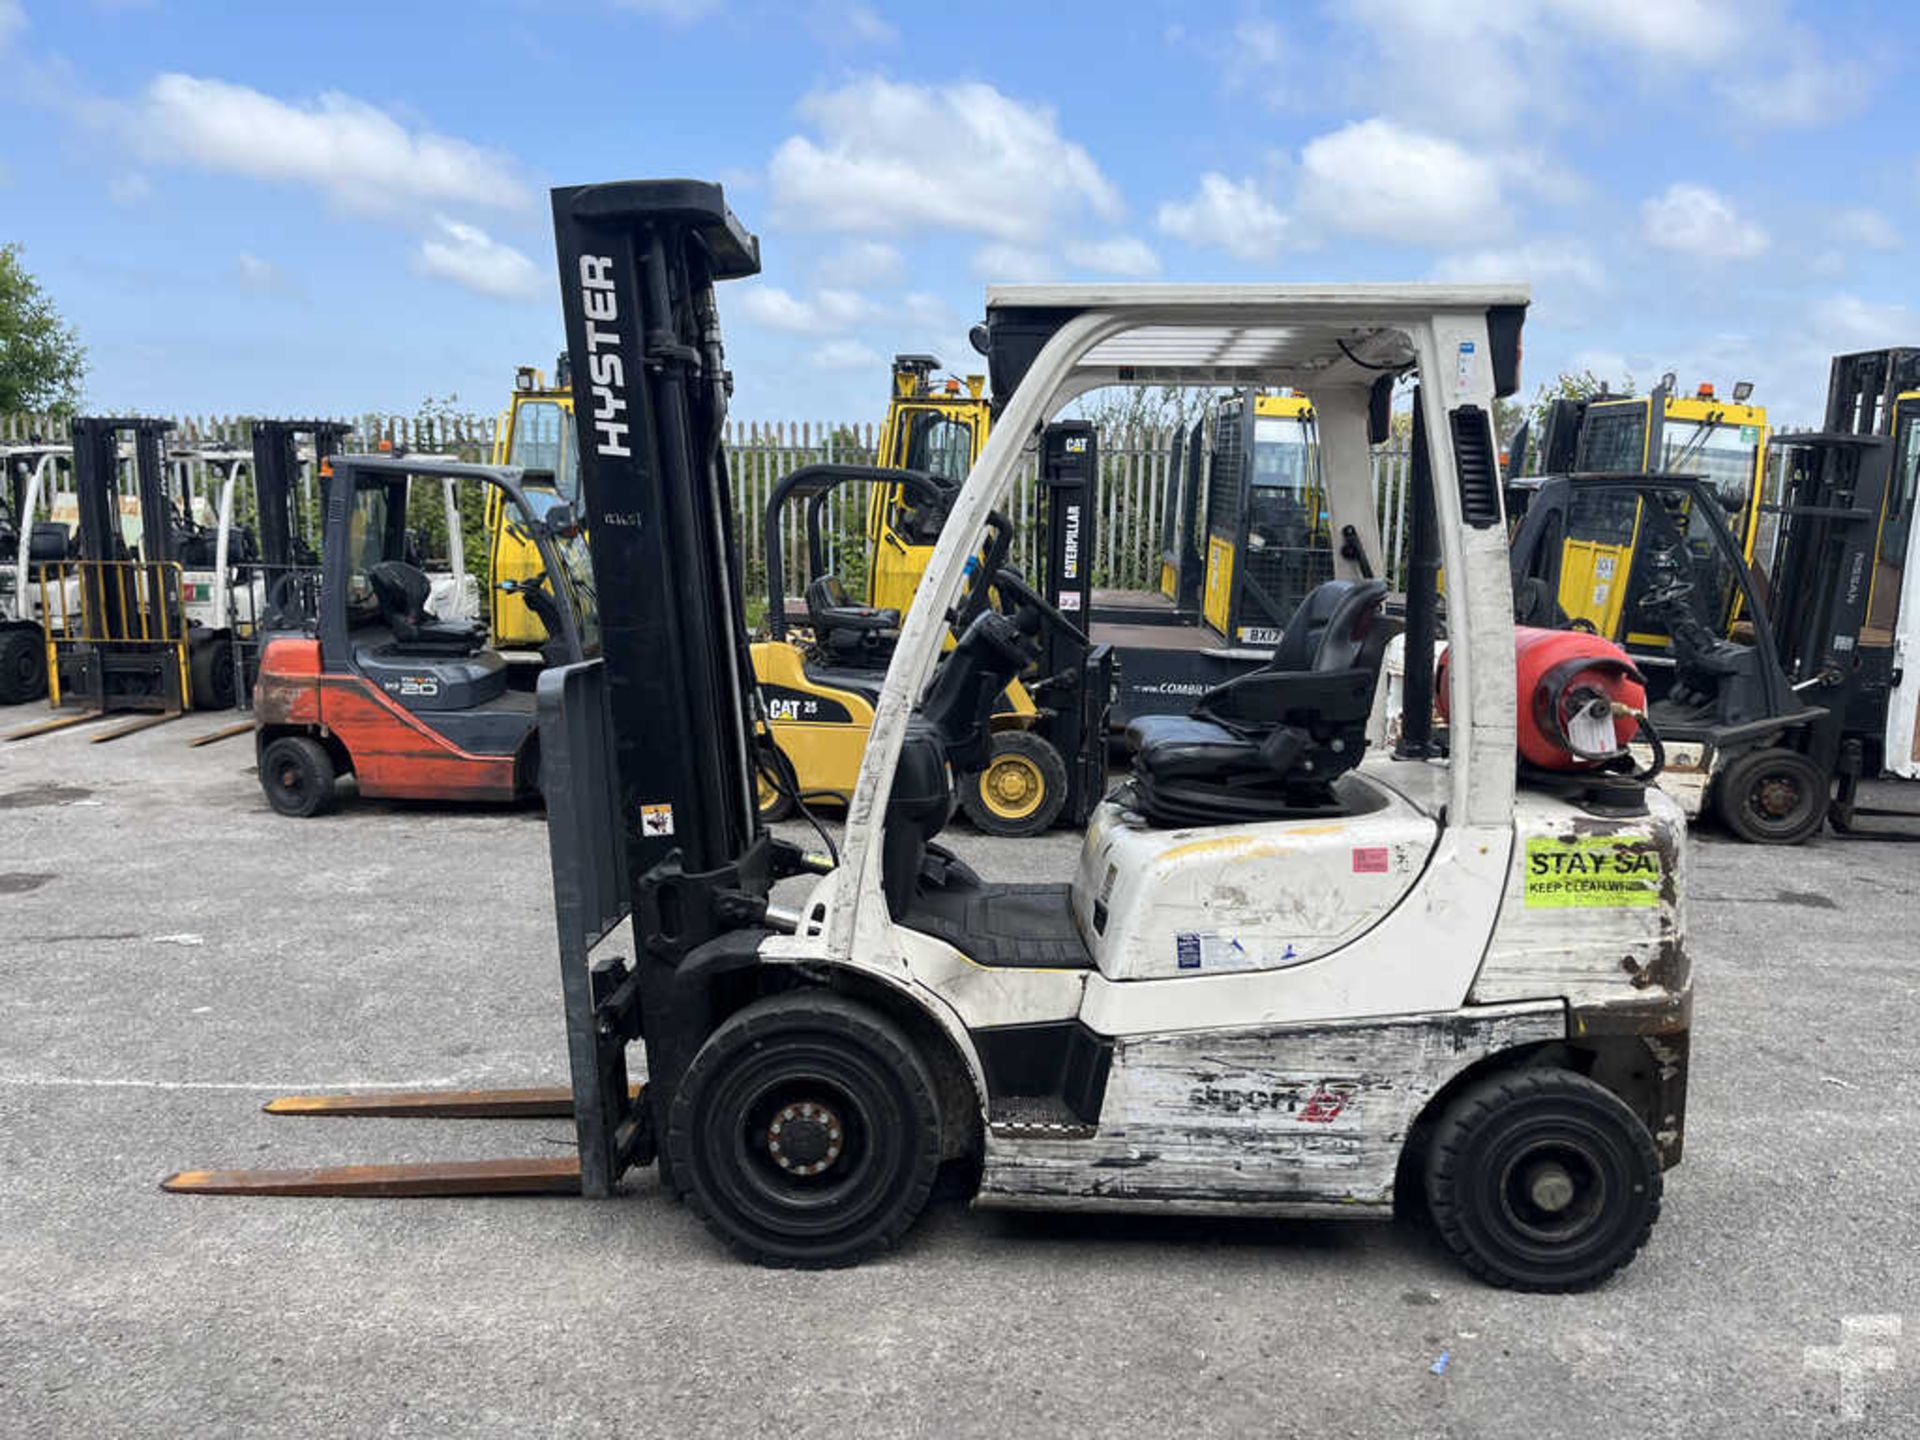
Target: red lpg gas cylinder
<point>1580,698</point>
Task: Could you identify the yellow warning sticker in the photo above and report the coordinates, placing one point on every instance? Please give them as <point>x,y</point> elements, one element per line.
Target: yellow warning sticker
<point>1592,871</point>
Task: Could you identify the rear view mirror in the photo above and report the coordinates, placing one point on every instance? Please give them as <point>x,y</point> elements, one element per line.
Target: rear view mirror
<point>559,520</point>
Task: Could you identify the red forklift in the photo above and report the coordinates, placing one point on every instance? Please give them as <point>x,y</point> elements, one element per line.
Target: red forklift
<point>370,683</point>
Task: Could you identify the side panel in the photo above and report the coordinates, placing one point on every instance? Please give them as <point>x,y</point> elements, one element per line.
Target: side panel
<point>397,757</point>
<point>1218,602</point>
<point>1264,1119</point>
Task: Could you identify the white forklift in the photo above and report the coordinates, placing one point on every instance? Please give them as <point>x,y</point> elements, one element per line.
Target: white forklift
<point>1291,977</point>
<point>29,471</point>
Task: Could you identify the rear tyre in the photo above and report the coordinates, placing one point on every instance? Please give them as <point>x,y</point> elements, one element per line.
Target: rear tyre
<point>23,667</point>
<point>1772,797</point>
<point>1022,789</point>
<point>297,774</point>
<point>210,668</point>
<point>806,1132</point>
<point>1542,1180</point>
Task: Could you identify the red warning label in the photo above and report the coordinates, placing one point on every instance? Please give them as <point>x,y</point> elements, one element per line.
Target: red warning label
<point>1370,860</point>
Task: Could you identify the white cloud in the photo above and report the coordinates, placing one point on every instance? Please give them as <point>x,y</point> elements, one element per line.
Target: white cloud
<point>1012,265</point>
<point>867,25</point>
<point>1256,57</point>
<point>845,355</point>
<point>1378,178</point>
<point>1533,261</point>
<point>1121,255</point>
<point>1850,323</point>
<point>1809,91</point>
<point>891,158</point>
<point>13,19</point>
<point>1868,228</point>
<point>829,309</point>
<point>680,12</point>
<point>862,262</point>
<point>357,154</point>
<point>1226,215</point>
<point>262,277</point>
<point>467,255</point>
<point>129,189</point>
<point>1695,220</point>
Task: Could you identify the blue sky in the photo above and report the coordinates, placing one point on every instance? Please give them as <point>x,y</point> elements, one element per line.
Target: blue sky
<point>260,208</point>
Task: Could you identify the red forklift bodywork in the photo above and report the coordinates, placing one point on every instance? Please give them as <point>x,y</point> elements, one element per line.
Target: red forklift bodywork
<point>392,754</point>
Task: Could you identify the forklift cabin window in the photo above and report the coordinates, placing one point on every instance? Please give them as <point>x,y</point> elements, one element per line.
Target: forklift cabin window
<point>1724,455</point>
<point>543,439</point>
<point>571,548</point>
<point>1615,439</point>
<point>367,545</point>
<point>940,445</point>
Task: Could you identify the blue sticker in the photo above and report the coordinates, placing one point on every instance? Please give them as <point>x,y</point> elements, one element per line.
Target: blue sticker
<point>1187,947</point>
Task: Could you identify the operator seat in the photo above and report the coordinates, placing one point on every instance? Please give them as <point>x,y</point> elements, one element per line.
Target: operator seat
<point>1270,744</point>
<point>402,591</point>
<point>844,630</point>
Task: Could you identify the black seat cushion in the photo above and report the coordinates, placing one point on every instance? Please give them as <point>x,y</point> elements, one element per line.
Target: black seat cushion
<point>402,591</point>
<point>1270,743</point>
<point>841,624</point>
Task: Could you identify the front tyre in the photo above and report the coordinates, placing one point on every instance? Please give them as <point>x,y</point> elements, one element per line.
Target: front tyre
<point>1542,1180</point>
<point>1022,789</point>
<point>23,666</point>
<point>1773,797</point>
<point>806,1132</point>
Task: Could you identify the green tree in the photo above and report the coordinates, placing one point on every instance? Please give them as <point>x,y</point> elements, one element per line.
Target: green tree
<point>41,359</point>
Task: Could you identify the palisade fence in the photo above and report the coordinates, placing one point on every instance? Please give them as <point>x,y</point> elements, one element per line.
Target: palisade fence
<point>1132,493</point>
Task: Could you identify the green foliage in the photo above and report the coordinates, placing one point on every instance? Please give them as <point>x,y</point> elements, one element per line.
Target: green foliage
<point>42,362</point>
<point>1568,385</point>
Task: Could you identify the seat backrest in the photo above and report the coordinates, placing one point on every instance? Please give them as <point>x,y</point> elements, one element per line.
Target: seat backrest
<point>1300,641</point>
<point>1344,642</point>
<point>402,591</point>
<point>820,601</point>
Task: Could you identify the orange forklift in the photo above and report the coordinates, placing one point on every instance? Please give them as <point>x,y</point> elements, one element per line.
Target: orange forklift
<point>415,707</point>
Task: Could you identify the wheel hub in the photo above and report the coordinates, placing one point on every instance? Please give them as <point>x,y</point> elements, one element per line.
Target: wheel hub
<point>1776,797</point>
<point>1012,784</point>
<point>1551,1187</point>
<point>805,1138</point>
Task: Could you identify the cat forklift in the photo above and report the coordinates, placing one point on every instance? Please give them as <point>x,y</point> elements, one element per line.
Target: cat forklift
<point>534,433</point>
<point>1048,742</point>
<point>933,426</point>
<point>1773,728</point>
<point>1429,975</point>
<point>415,706</point>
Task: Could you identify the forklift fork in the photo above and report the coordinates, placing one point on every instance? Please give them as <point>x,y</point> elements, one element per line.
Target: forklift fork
<point>613,1127</point>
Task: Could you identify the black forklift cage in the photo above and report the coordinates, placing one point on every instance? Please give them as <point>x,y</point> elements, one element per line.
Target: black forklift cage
<point>1539,534</point>
<point>815,483</point>
<point>354,473</point>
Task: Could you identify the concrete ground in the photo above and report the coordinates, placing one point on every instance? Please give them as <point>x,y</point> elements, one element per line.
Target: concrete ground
<point>173,953</point>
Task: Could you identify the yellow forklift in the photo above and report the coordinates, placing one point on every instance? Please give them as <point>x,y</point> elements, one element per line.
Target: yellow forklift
<point>534,433</point>
<point>937,427</point>
<point>1662,433</point>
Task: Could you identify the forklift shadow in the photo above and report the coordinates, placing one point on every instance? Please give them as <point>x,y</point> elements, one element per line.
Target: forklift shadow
<point>348,802</point>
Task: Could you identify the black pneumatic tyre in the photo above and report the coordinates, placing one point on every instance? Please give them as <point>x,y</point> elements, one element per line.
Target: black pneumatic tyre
<point>23,667</point>
<point>1772,797</point>
<point>210,669</point>
<point>1542,1180</point>
<point>297,774</point>
<point>1022,789</point>
<point>806,1132</point>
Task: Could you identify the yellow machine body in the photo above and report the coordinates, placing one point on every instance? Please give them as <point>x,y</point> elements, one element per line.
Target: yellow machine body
<point>939,426</point>
<point>535,432</point>
<point>1724,441</point>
